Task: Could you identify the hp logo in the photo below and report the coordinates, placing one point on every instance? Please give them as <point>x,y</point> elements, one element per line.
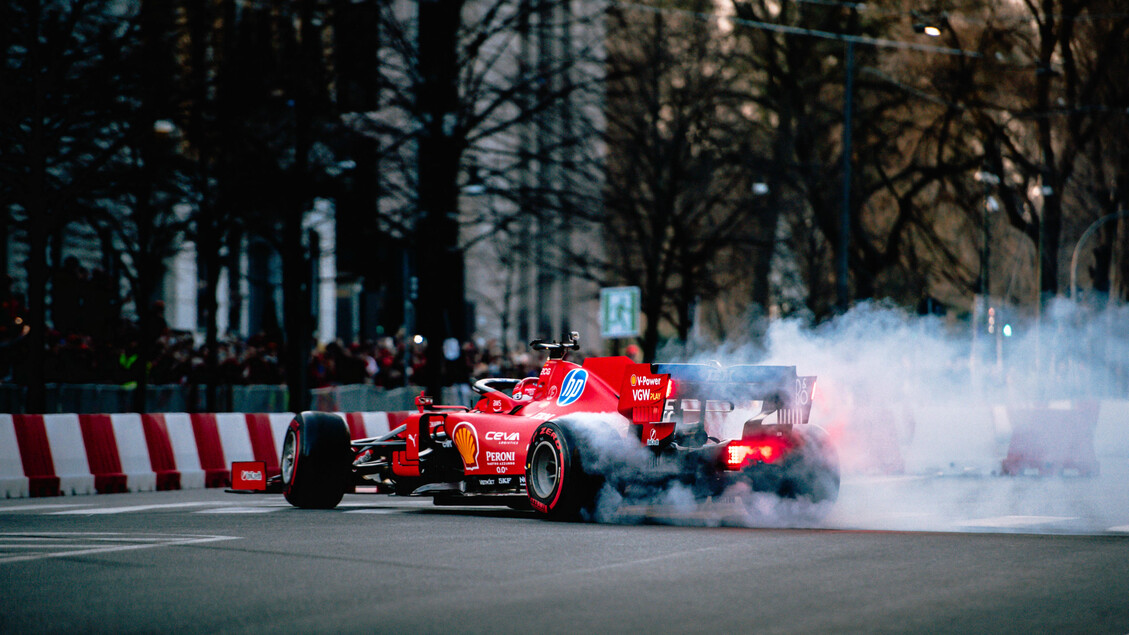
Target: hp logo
<point>572,386</point>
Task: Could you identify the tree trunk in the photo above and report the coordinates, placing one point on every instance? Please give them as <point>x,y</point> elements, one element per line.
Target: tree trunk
<point>37,220</point>
<point>439,309</point>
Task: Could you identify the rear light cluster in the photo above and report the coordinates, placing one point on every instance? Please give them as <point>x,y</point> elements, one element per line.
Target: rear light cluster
<point>758,450</point>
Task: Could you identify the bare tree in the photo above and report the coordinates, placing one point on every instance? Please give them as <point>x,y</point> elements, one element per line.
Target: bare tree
<point>678,191</point>
<point>1057,59</point>
<point>456,89</point>
<point>60,130</point>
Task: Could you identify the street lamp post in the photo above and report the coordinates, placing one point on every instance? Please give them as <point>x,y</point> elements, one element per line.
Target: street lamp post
<point>843,265</point>
<point>982,298</point>
<point>1078,247</point>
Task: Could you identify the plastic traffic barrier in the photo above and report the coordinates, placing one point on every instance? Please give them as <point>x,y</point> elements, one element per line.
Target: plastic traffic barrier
<point>64,454</point>
<point>1053,438</point>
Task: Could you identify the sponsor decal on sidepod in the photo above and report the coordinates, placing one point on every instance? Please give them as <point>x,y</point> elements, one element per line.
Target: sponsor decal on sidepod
<point>573,386</point>
<point>466,440</point>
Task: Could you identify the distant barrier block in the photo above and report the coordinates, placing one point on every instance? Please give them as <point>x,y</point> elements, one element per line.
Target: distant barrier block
<point>1052,439</point>
<point>182,437</point>
<point>209,445</point>
<point>102,453</point>
<point>162,460</point>
<point>35,455</point>
<point>133,452</point>
<point>261,435</point>
<point>13,481</point>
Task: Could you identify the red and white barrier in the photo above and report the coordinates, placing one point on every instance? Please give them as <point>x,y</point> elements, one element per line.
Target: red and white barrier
<point>60,454</point>
<point>372,424</point>
<point>1053,438</point>
<point>13,479</point>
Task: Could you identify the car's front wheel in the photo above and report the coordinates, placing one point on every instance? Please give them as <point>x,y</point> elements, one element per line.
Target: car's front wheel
<point>316,461</point>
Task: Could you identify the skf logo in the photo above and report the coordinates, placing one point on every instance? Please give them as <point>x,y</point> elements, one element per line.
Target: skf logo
<point>572,386</point>
<point>466,440</point>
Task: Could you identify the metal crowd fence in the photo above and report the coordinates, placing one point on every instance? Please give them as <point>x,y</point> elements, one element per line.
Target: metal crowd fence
<point>110,399</point>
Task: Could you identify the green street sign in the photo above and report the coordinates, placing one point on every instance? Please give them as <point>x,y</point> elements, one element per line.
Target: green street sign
<point>619,312</point>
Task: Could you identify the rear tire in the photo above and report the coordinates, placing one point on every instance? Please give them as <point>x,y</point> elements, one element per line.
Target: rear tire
<point>316,461</point>
<point>555,480</point>
<point>812,473</point>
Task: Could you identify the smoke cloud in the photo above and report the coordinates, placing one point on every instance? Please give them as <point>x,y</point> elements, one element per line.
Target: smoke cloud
<point>924,417</point>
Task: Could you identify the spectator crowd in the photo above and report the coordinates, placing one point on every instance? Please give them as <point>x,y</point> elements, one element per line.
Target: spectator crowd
<point>90,343</point>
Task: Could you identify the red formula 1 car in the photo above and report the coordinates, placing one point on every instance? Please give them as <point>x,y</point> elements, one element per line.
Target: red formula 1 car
<point>557,442</point>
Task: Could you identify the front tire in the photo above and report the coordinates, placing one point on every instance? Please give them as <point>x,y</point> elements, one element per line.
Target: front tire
<point>555,480</point>
<point>316,461</point>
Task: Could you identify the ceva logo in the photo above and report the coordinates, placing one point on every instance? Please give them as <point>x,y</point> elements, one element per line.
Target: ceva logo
<point>572,386</point>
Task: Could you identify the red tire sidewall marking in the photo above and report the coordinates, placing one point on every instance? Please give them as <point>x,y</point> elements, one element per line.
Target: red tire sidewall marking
<point>543,434</point>
<point>560,469</point>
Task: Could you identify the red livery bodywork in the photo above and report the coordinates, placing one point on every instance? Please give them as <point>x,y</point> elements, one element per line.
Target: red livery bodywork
<point>537,442</point>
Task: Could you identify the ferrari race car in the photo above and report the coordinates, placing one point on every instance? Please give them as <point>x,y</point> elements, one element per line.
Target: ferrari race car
<point>558,442</point>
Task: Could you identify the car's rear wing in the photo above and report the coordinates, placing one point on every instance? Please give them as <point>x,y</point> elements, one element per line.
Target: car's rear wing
<point>776,388</point>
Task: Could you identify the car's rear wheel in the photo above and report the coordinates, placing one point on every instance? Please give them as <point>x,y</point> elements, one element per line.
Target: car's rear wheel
<point>316,461</point>
<point>556,483</point>
<point>812,472</point>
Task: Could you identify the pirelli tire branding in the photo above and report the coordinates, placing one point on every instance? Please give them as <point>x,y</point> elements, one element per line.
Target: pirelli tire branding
<point>543,486</point>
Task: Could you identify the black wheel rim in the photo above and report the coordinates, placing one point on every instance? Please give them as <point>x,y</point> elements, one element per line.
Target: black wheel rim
<point>544,469</point>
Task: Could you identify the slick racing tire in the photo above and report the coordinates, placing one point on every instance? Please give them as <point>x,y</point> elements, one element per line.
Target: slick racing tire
<point>316,461</point>
<point>812,472</point>
<point>555,480</point>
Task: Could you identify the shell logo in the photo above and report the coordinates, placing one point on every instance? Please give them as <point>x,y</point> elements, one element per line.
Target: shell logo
<point>466,440</point>
<point>634,380</point>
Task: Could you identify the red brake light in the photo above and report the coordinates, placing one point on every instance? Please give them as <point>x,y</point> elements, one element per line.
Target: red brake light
<point>762,450</point>
<point>735,457</point>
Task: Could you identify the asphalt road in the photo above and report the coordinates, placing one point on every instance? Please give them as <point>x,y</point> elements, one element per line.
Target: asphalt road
<point>883,561</point>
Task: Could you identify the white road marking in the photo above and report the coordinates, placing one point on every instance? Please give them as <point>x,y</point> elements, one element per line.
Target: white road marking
<point>1014,521</point>
<point>95,543</point>
<point>128,509</point>
<point>375,510</point>
<point>238,510</point>
<point>25,508</point>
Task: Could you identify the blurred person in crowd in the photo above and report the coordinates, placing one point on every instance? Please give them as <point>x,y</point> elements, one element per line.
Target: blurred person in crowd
<point>100,307</point>
<point>13,329</point>
<point>66,295</point>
